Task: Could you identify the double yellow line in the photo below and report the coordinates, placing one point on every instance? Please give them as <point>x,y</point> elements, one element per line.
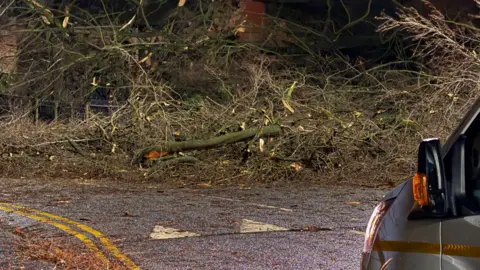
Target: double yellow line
<point>55,220</point>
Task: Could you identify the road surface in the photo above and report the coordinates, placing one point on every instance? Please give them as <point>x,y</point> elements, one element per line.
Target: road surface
<point>145,226</point>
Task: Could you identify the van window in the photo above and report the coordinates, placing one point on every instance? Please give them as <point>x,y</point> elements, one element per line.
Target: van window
<point>472,177</point>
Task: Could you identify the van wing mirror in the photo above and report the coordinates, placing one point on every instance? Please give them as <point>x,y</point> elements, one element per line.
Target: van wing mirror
<point>429,183</point>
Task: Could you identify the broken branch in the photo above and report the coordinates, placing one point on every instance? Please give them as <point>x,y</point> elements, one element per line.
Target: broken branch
<point>172,147</point>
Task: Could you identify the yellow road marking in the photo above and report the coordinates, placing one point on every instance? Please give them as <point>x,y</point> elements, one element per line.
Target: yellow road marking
<point>97,234</point>
<point>90,245</point>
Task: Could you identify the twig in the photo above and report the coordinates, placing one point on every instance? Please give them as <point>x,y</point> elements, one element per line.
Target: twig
<point>6,8</point>
<point>173,161</point>
<point>64,141</point>
<point>76,147</point>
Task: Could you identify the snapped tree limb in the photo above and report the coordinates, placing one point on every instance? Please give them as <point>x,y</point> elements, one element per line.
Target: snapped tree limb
<point>158,151</point>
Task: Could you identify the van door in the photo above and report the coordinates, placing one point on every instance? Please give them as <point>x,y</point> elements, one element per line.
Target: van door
<point>461,243</point>
<point>460,235</point>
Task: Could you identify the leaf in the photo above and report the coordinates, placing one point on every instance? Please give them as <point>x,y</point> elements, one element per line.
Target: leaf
<point>155,154</point>
<point>297,167</point>
<point>63,201</point>
<point>45,20</point>
<point>409,121</point>
<point>315,229</point>
<point>181,3</point>
<point>47,15</point>
<point>286,100</point>
<point>94,82</point>
<point>261,145</point>
<point>287,106</point>
<point>357,114</point>
<point>65,21</point>
<point>146,58</point>
<point>232,220</point>
<point>352,203</point>
<point>347,125</point>
<point>240,30</point>
<point>67,17</point>
<point>290,91</point>
<point>204,185</point>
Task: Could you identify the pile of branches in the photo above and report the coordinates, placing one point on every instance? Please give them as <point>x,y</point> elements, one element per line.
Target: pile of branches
<point>184,90</point>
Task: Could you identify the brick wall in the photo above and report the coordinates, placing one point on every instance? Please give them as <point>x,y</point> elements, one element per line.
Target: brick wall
<point>253,14</point>
<point>9,38</point>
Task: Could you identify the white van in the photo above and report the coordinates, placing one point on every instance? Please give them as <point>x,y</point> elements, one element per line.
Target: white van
<point>432,221</point>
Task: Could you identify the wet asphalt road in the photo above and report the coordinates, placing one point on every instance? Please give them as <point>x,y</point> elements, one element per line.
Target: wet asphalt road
<point>321,226</point>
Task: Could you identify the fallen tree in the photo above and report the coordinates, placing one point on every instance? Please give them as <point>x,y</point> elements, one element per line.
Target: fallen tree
<point>162,151</point>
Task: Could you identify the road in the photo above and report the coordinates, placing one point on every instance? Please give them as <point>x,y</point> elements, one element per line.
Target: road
<point>147,226</point>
